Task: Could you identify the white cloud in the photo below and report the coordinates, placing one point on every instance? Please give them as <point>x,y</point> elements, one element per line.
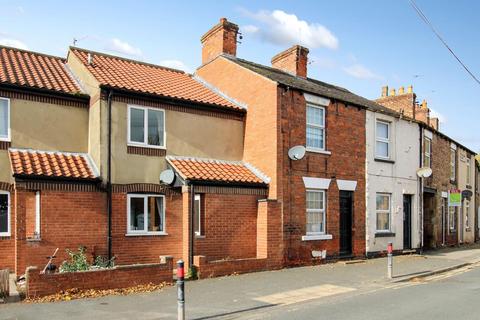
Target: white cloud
<point>283,28</point>
<point>435,114</point>
<point>175,64</point>
<point>123,47</point>
<point>13,43</point>
<point>361,72</point>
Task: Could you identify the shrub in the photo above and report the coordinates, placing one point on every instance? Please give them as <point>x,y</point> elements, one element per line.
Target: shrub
<point>78,261</point>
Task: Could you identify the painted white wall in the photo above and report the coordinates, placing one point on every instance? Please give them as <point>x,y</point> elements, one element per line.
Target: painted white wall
<point>397,178</point>
<point>468,234</point>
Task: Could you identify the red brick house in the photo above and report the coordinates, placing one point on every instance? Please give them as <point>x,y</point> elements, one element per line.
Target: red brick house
<point>322,196</point>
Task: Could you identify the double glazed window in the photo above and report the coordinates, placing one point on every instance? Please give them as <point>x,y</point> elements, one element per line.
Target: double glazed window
<point>382,140</point>
<point>145,213</point>
<point>468,171</point>
<point>427,155</point>
<point>4,214</point>
<point>315,212</point>
<point>453,164</point>
<point>146,127</point>
<point>315,127</point>
<point>4,119</point>
<point>383,209</point>
<point>197,219</point>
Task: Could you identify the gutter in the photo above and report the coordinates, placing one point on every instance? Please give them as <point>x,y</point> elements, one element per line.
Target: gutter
<point>80,97</point>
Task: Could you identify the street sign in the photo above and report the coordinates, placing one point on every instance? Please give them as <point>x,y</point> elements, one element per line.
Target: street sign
<point>454,198</point>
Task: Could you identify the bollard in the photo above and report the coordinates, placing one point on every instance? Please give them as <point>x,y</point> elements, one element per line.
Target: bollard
<point>390,260</point>
<point>181,290</point>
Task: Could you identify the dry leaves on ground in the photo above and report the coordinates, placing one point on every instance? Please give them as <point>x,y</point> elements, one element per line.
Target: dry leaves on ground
<point>72,294</point>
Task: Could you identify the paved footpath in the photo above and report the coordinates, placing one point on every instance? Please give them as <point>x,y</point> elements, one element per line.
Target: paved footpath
<point>232,297</point>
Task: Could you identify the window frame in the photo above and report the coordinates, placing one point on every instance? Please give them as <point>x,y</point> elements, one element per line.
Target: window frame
<point>467,217</point>
<point>469,169</point>
<point>388,140</point>
<point>429,153</point>
<point>8,137</point>
<point>312,125</point>
<point>452,226</point>
<point>389,211</point>
<point>145,143</point>
<point>9,215</point>
<point>198,197</point>
<point>37,213</point>
<point>145,220</point>
<point>323,211</point>
<point>453,165</point>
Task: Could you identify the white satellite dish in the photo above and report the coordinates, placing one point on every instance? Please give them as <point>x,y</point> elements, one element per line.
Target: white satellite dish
<point>167,176</point>
<point>296,153</point>
<point>424,172</point>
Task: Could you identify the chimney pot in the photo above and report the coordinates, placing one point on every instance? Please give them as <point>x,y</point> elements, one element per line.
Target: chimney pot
<point>401,90</point>
<point>424,104</point>
<point>294,60</point>
<point>392,92</point>
<point>410,89</point>
<point>384,91</point>
<point>222,38</point>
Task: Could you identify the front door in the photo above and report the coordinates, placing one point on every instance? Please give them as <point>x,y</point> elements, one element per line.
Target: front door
<point>407,221</point>
<point>346,217</point>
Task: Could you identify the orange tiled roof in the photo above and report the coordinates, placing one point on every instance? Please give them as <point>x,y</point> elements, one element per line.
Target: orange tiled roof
<point>30,69</point>
<point>216,170</point>
<point>147,78</point>
<point>26,162</point>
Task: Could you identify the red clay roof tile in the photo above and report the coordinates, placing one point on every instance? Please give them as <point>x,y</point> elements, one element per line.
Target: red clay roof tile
<point>51,164</point>
<point>216,170</point>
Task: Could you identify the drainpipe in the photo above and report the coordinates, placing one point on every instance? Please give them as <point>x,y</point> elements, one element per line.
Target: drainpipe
<point>190,225</point>
<point>109,174</point>
<point>420,198</point>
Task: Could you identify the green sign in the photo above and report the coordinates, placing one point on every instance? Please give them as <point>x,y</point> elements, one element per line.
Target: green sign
<point>454,198</point>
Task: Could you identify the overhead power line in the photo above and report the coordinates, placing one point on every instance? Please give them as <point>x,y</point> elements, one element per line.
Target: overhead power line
<point>425,19</point>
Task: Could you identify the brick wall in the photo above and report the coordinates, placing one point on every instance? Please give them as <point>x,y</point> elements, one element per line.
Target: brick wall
<point>67,219</point>
<point>39,285</point>
<point>345,139</point>
<point>218,268</point>
<point>402,103</point>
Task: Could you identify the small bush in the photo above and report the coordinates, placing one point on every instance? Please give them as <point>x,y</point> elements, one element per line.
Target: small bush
<point>78,261</point>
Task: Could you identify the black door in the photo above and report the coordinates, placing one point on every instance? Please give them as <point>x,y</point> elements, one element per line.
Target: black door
<point>346,215</point>
<point>407,222</point>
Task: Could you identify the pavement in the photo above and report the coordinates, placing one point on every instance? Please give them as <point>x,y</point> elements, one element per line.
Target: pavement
<point>256,293</point>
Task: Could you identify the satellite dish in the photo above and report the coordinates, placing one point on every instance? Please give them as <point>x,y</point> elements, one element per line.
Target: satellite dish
<point>296,153</point>
<point>167,176</point>
<point>424,172</point>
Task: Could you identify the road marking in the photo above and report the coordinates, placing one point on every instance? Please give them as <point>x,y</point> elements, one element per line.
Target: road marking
<point>304,294</point>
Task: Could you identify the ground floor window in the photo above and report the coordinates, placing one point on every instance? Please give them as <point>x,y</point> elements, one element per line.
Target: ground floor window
<point>383,210</point>
<point>145,213</point>
<point>452,218</point>
<point>467,210</point>
<point>315,212</point>
<point>198,215</point>
<point>4,214</point>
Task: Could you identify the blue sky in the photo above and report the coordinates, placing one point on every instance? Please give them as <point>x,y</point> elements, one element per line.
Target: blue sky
<point>360,45</point>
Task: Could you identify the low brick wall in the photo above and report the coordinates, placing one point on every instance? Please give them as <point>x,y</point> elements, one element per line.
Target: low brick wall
<point>218,268</point>
<point>39,285</point>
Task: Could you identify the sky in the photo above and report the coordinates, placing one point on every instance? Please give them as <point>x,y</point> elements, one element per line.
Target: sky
<point>359,45</point>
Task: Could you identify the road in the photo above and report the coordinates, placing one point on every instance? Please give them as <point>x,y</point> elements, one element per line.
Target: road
<point>455,295</point>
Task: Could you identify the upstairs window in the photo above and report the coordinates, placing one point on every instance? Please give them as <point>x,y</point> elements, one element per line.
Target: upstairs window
<point>146,127</point>
<point>427,156</point>
<point>145,214</point>
<point>382,145</point>
<point>468,171</point>
<point>315,212</point>
<point>453,164</point>
<point>4,119</point>
<point>315,127</point>
<point>4,214</point>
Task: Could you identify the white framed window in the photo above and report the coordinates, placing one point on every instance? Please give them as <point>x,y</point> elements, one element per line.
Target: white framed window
<point>382,139</point>
<point>452,218</point>
<point>316,217</point>
<point>146,127</point>
<point>383,210</point>
<point>427,155</point>
<point>315,127</point>
<point>4,119</point>
<point>37,214</point>
<point>468,171</point>
<point>467,212</point>
<point>5,214</point>
<point>197,219</point>
<point>453,164</point>
<point>145,214</point>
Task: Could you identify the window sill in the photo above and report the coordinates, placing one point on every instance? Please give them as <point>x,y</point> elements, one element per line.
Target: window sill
<point>146,234</point>
<point>146,146</point>
<point>34,239</point>
<point>199,236</point>
<point>318,151</point>
<point>5,235</point>
<point>384,160</point>
<point>312,237</point>
<point>384,234</point>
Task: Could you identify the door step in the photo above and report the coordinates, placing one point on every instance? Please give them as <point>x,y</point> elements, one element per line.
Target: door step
<point>409,251</point>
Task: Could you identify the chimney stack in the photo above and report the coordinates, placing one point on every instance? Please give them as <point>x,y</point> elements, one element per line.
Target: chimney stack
<point>384,91</point>
<point>222,38</point>
<point>293,60</point>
